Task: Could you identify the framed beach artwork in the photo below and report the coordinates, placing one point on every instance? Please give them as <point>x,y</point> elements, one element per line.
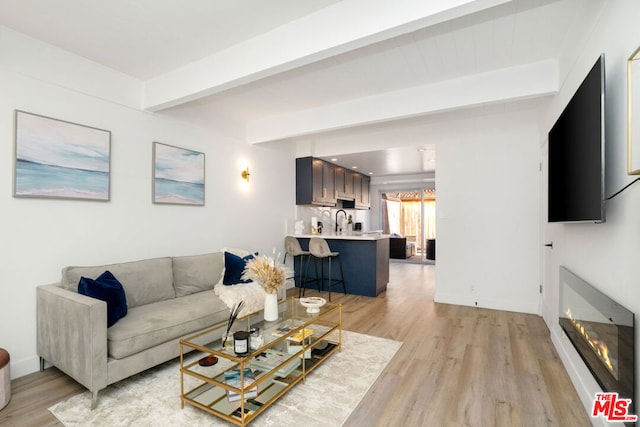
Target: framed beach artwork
<point>59,159</point>
<point>178,175</point>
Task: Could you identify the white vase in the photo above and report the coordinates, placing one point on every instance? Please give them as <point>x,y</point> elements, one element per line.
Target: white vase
<point>270,307</point>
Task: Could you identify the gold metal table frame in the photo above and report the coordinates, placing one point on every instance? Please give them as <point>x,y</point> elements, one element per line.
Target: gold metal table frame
<point>225,390</point>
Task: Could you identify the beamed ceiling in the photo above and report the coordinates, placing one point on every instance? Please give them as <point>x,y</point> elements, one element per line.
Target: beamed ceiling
<point>324,73</point>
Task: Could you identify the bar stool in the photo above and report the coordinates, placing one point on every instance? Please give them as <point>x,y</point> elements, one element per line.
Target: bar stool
<point>293,248</point>
<point>5,378</point>
<point>320,251</point>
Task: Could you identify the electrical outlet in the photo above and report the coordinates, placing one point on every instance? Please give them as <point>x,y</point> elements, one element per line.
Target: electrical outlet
<point>473,288</point>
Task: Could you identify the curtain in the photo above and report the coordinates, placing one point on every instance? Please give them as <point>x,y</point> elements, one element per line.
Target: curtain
<point>411,219</point>
<point>393,217</point>
<point>385,217</point>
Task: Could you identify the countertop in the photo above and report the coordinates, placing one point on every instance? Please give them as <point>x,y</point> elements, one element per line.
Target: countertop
<point>345,236</point>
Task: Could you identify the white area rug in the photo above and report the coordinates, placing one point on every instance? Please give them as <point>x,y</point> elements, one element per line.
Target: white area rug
<point>326,398</point>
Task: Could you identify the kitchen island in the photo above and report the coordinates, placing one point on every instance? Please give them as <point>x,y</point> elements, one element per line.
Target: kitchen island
<point>365,260</point>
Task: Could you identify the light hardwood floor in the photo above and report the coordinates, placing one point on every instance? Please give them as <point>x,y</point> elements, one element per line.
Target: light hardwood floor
<point>458,366</point>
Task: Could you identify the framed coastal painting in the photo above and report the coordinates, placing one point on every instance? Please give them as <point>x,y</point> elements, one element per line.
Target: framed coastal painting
<point>59,159</point>
<point>178,175</point>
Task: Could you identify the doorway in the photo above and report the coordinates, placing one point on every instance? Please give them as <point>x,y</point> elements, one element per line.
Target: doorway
<point>411,215</point>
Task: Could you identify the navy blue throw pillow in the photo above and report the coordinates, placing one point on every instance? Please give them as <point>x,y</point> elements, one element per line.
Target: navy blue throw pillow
<point>106,288</point>
<point>234,267</point>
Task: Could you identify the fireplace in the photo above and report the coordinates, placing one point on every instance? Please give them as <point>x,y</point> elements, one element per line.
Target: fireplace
<point>602,331</point>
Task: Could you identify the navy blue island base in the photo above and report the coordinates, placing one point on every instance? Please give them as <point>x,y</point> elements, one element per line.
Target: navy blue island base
<point>365,261</point>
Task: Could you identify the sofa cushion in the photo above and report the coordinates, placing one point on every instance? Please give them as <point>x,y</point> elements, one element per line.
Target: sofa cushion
<point>153,324</point>
<point>234,267</point>
<point>143,281</point>
<point>108,289</point>
<point>196,273</point>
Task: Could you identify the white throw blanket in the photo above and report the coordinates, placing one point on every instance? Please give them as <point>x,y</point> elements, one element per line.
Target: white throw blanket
<point>251,293</point>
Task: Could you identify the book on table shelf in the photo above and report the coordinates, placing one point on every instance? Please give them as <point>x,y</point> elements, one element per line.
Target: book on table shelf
<point>272,358</point>
<point>294,346</point>
<point>282,331</point>
<point>288,379</point>
<point>250,407</point>
<point>234,381</point>
<point>321,350</point>
<point>298,337</point>
<point>305,333</point>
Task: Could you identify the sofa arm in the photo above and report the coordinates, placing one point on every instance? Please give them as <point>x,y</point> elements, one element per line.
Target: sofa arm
<point>72,334</point>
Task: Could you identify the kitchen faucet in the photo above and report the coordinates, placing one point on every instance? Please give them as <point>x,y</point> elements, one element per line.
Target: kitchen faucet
<point>345,216</point>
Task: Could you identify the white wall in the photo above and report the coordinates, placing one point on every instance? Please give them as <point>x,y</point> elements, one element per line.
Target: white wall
<point>488,192</point>
<point>487,212</point>
<point>40,237</point>
<point>605,255</point>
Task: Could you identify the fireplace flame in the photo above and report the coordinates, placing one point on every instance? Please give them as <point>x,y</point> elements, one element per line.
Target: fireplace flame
<point>598,346</point>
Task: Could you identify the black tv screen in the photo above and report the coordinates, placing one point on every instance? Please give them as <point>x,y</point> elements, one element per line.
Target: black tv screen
<point>576,154</point>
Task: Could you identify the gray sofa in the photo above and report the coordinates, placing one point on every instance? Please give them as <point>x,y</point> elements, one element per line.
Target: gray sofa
<point>167,298</point>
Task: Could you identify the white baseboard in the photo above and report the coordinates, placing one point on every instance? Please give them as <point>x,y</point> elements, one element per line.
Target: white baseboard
<point>20,368</point>
<point>530,307</point>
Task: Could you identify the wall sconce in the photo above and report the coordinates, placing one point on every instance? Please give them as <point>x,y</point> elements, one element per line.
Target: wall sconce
<point>245,174</point>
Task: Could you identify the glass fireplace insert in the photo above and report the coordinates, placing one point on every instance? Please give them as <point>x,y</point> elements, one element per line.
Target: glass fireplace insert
<point>602,332</point>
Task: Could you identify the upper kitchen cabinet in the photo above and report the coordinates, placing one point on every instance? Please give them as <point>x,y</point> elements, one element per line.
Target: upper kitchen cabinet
<point>344,184</point>
<point>315,182</point>
<point>361,193</point>
<point>322,183</point>
<point>365,201</point>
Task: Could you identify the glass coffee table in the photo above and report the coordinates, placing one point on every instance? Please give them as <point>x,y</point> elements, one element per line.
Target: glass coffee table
<point>238,387</point>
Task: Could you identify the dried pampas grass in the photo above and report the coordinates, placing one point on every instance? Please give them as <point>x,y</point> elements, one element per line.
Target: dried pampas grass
<point>268,272</point>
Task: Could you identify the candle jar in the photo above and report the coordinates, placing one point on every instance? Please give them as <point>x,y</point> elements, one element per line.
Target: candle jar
<point>256,340</point>
<point>241,343</point>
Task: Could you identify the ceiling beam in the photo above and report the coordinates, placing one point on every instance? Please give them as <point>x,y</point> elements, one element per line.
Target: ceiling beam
<point>498,86</point>
<point>336,29</point>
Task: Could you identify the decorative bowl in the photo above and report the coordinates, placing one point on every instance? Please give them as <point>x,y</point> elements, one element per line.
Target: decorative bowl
<point>313,304</point>
<point>208,361</point>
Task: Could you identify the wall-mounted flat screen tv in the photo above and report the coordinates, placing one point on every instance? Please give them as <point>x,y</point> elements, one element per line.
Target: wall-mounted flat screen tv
<point>576,154</point>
